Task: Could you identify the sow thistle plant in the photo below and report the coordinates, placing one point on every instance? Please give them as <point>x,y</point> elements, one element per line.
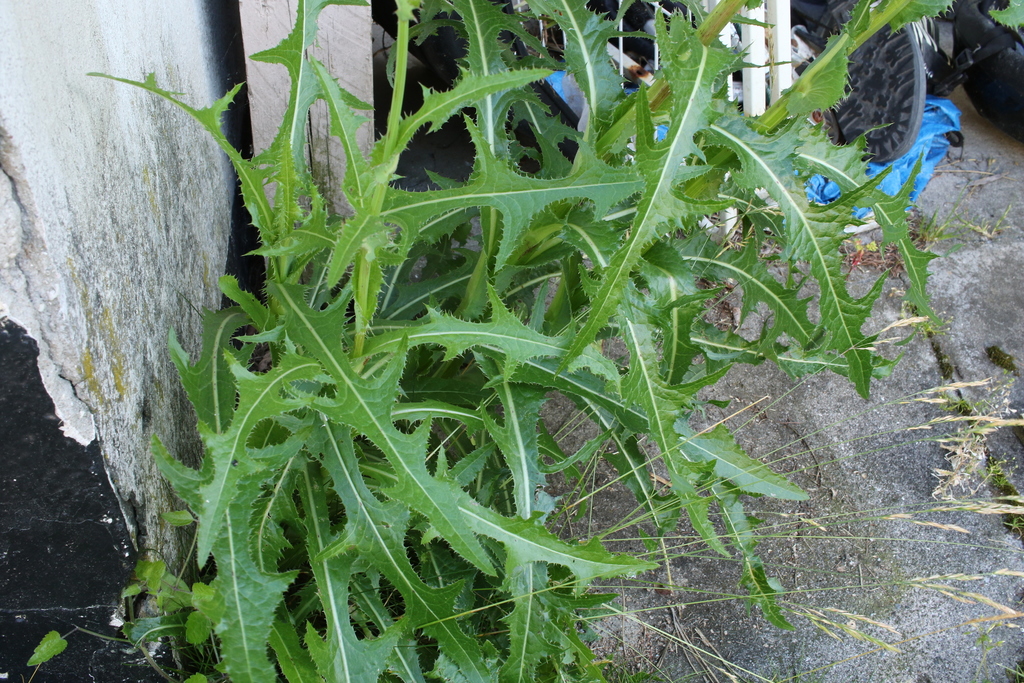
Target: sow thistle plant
<point>375,501</point>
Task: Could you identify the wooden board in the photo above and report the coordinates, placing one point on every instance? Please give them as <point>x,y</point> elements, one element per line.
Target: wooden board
<point>343,45</point>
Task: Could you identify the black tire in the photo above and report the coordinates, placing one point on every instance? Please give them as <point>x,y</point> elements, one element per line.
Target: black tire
<point>995,81</point>
<point>887,86</point>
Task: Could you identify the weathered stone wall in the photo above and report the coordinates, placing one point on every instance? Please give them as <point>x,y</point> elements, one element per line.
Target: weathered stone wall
<point>115,214</point>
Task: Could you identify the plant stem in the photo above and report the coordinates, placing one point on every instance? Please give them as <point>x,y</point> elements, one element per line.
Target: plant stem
<point>156,667</point>
<point>844,43</point>
<point>390,140</point>
<point>364,298</point>
<point>398,94</point>
<point>717,20</point>
<point>659,93</point>
<point>778,110</point>
<point>100,635</point>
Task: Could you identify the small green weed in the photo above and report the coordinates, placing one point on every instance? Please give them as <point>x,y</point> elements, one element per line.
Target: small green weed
<point>932,230</point>
<point>989,229</point>
<point>996,475</point>
<point>955,225</point>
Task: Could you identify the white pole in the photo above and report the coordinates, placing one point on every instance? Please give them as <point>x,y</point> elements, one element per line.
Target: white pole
<point>755,77</point>
<point>780,44</point>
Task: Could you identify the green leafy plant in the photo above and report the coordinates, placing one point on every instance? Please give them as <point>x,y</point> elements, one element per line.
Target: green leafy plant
<point>49,647</point>
<point>375,502</point>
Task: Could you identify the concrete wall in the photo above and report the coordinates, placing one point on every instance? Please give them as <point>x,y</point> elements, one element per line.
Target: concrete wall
<point>114,220</point>
<point>117,216</point>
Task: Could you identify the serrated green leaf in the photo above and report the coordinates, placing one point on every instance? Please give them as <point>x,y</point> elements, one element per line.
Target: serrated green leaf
<point>228,456</point>
<point>517,439</point>
<point>845,167</point>
<point>634,472</point>
<point>349,659</point>
<point>843,164</point>
<point>826,85</point>
<point>891,215</point>
<point>562,461</point>
<point>408,300</point>
<point>533,634</point>
<point>676,303</point>
<point>528,541</point>
<point>810,234</point>
<point>758,285</point>
<point>584,388</point>
<point>345,125</point>
<point>695,71</point>
<point>245,599</point>
<point>275,508</point>
<point>209,383</point>
<point>598,239</point>
<point>377,531</point>
<point>586,56</point>
<point>256,311</point>
<point>550,132</point>
<point>1012,16</point>
<point>747,474</point>
<point>486,26</point>
<point>438,107</point>
<point>294,188</point>
<point>763,590</point>
<point>295,662</point>
<point>403,660</point>
<point>366,406</point>
<point>898,13</point>
<point>645,386</point>
<point>430,410</point>
<point>725,347</point>
<point>290,251</point>
<point>252,176</point>
<point>504,333</point>
<point>361,229</point>
<point>915,262</point>
<point>290,53</point>
<point>49,647</point>
<point>798,364</point>
<point>519,198</point>
<point>198,628</point>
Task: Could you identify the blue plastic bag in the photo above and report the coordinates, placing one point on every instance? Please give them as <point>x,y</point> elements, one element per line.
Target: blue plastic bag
<point>941,116</point>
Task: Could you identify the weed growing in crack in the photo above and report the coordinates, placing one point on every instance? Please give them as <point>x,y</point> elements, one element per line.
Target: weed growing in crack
<point>375,495</point>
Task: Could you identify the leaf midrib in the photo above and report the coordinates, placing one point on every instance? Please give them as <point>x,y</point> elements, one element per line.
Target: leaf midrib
<point>805,227</point>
